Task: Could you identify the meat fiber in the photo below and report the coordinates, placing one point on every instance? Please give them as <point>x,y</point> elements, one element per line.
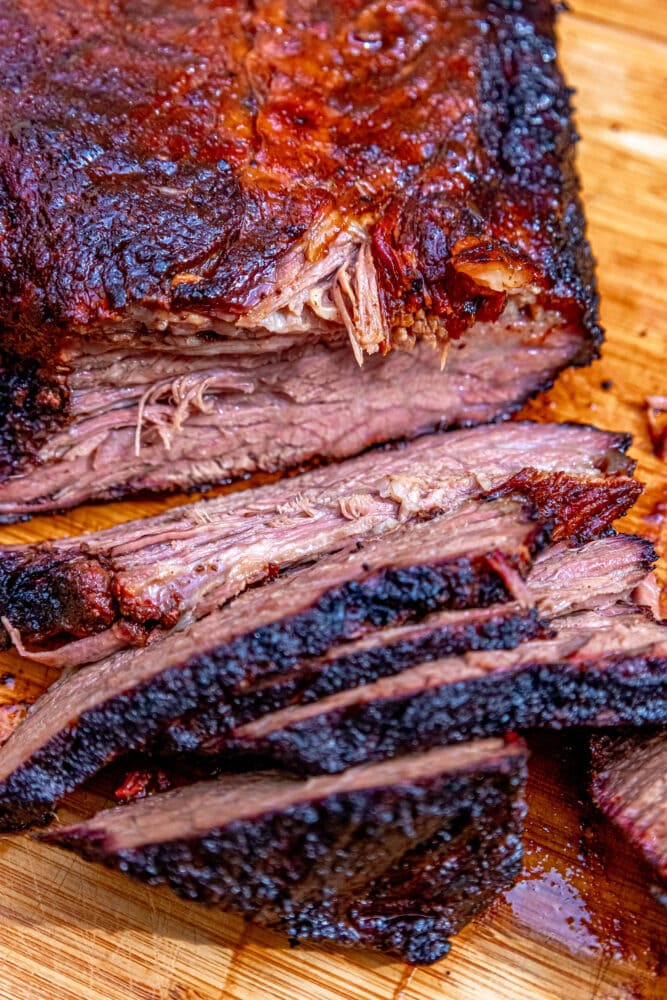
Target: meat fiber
<point>467,559</point>
<point>205,230</point>
<point>600,668</point>
<point>128,583</point>
<point>396,856</point>
<point>629,784</point>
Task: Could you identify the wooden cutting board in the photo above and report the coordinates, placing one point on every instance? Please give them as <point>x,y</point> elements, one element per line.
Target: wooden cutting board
<point>580,924</point>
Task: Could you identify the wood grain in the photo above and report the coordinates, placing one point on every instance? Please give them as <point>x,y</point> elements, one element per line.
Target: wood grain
<point>629,15</point>
<point>580,923</point>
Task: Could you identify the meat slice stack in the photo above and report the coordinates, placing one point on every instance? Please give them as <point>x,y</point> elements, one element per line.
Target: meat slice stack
<point>120,703</point>
<point>398,534</point>
<point>195,263</point>
<point>217,259</point>
<point>90,596</point>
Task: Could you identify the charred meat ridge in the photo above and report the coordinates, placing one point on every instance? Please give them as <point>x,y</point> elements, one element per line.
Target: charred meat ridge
<point>129,583</point>
<point>563,580</point>
<point>397,856</point>
<point>185,691</point>
<point>361,661</point>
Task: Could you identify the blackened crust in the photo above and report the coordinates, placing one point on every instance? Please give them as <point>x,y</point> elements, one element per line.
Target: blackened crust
<point>48,593</point>
<point>534,137</point>
<point>34,402</point>
<point>613,691</point>
<point>312,681</point>
<point>527,185</point>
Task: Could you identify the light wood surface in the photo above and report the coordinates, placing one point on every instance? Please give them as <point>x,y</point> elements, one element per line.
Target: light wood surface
<point>580,923</point>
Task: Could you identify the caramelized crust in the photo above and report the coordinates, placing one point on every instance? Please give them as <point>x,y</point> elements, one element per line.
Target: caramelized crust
<point>578,509</point>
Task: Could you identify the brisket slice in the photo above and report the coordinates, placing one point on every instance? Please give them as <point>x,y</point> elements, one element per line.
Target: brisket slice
<point>562,580</point>
<point>187,256</point>
<point>160,423</point>
<point>606,667</point>
<point>155,573</point>
<point>467,559</point>
<point>629,785</point>
<point>396,856</point>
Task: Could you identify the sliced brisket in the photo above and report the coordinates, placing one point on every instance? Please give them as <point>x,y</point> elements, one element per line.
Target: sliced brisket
<point>606,667</point>
<point>466,559</point>
<point>396,856</point>
<point>629,784</point>
<point>193,258</point>
<point>125,583</point>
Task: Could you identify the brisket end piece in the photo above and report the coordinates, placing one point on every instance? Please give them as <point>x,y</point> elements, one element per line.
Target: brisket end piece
<point>579,509</point>
<point>396,857</point>
<point>468,559</point>
<point>231,347</point>
<point>629,785</point>
<point>600,668</point>
<point>132,581</point>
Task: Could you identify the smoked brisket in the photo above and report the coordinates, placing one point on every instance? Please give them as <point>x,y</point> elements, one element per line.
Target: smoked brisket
<point>189,685</point>
<point>205,230</point>
<point>126,584</point>
<point>396,856</point>
<point>562,581</point>
<point>248,237</point>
